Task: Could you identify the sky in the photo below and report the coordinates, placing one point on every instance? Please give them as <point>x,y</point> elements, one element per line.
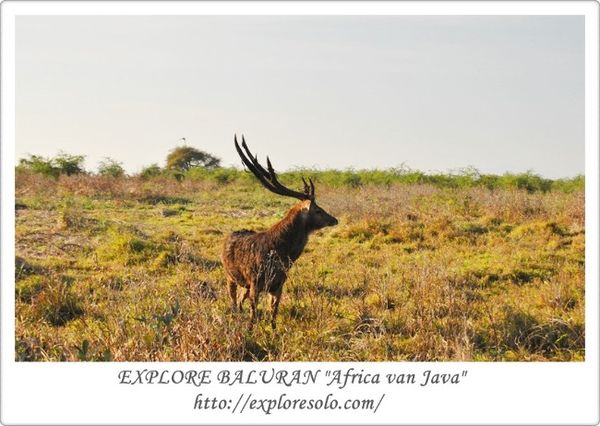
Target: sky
<point>434,93</point>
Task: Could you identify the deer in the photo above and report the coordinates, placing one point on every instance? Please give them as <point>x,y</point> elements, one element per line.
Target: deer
<point>259,261</point>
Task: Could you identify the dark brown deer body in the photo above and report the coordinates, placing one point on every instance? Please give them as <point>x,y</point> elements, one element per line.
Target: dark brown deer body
<point>259,261</point>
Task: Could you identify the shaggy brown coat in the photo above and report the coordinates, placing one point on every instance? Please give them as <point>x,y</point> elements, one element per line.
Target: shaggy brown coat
<point>259,261</point>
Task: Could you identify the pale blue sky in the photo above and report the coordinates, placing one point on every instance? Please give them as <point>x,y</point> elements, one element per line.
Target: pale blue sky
<point>436,93</point>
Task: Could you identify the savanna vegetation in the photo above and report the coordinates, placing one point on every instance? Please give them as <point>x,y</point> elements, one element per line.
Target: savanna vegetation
<point>422,267</point>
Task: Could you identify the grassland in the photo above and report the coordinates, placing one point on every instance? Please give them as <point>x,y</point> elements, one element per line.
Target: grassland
<point>128,269</point>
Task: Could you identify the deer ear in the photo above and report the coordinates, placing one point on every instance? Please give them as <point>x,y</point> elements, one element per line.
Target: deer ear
<point>305,204</point>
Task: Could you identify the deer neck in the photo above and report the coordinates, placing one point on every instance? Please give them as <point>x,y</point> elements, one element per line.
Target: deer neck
<point>290,234</point>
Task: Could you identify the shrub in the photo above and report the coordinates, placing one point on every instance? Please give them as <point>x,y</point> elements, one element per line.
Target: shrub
<point>38,164</point>
<point>110,167</point>
<point>225,175</point>
<point>569,185</point>
<point>527,181</point>
<point>62,164</point>
<point>352,180</point>
<point>221,175</point>
<point>151,171</point>
<point>68,164</point>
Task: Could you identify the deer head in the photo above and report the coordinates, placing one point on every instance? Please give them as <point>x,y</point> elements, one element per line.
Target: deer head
<point>313,215</point>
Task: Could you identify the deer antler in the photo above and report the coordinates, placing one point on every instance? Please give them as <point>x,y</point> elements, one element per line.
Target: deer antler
<point>268,177</point>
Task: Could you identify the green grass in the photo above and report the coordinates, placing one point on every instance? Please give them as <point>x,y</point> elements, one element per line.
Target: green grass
<point>128,269</point>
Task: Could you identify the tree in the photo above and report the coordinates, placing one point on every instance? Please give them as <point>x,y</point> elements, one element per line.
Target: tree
<point>62,164</point>
<point>69,164</point>
<point>110,167</point>
<point>186,157</point>
<point>38,164</point>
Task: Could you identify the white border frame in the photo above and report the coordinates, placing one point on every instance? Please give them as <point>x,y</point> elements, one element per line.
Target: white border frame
<point>494,393</point>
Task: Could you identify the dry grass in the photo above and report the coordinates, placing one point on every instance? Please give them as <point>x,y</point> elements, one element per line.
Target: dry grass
<point>127,269</point>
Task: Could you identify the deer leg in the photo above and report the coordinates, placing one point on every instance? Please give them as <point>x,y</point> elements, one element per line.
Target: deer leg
<point>232,286</point>
<point>245,292</point>
<point>253,294</point>
<point>275,298</point>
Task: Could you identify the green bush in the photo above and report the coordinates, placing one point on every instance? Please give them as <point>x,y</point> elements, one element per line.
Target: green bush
<point>569,185</point>
<point>527,181</point>
<point>38,164</point>
<point>68,164</point>
<point>110,167</point>
<point>151,171</point>
<point>62,164</point>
